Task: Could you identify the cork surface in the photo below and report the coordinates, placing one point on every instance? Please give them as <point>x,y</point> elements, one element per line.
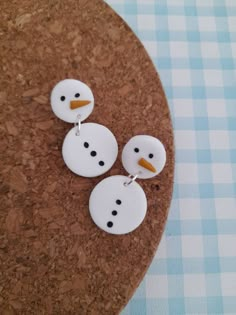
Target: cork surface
<point>54,260</point>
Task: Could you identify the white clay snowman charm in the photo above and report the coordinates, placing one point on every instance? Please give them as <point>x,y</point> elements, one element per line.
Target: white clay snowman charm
<point>89,149</point>
<point>118,204</point>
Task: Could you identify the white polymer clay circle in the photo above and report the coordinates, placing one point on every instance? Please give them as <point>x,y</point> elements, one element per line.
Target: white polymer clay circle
<point>92,152</point>
<point>115,208</point>
<point>144,155</point>
<point>64,97</point>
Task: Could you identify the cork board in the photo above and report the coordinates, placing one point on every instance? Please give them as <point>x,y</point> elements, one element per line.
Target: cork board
<point>54,260</point>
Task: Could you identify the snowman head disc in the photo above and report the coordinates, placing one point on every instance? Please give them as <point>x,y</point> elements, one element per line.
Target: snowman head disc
<point>70,98</point>
<point>144,155</point>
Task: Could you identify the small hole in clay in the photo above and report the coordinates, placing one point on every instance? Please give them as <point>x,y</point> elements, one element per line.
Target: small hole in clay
<point>157,187</point>
<point>63,98</point>
<point>77,95</point>
<point>118,202</point>
<point>136,150</point>
<point>101,163</point>
<point>109,224</point>
<point>86,145</point>
<point>93,153</point>
<point>114,212</point>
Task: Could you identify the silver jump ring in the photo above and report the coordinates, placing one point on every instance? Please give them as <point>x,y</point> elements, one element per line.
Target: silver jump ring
<point>132,179</point>
<point>77,125</point>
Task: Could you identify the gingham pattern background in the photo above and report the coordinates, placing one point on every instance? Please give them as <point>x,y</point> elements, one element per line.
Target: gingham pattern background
<point>193,45</point>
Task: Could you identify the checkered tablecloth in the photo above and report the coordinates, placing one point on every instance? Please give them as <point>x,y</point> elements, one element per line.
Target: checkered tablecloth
<point>193,45</point>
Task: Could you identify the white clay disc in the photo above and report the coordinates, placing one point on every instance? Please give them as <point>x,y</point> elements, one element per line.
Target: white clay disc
<point>115,208</point>
<point>144,155</point>
<point>92,153</point>
<point>70,98</point>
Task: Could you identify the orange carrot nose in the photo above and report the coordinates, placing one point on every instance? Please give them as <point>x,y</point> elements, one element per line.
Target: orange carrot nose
<point>77,104</point>
<point>144,163</point>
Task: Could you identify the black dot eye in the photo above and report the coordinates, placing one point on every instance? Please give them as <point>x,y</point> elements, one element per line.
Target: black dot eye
<point>77,95</point>
<point>86,145</point>
<point>136,150</point>
<point>151,155</point>
<point>101,163</point>
<point>63,98</point>
<point>109,224</point>
<point>93,153</point>
<point>114,212</point>
<point>118,202</point>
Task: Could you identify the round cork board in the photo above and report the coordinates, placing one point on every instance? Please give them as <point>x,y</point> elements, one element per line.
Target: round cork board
<point>54,259</point>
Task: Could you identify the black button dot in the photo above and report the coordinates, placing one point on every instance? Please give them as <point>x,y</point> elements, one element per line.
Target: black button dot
<point>101,163</point>
<point>151,155</point>
<point>118,202</point>
<point>109,224</point>
<point>136,150</point>
<point>86,145</point>
<point>93,153</point>
<point>63,98</point>
<point>77,95</point>
<point>114,212</point>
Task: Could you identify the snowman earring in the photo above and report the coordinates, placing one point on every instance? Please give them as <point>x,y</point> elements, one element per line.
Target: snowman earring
<point>118,204</point>
<point>89,149</point>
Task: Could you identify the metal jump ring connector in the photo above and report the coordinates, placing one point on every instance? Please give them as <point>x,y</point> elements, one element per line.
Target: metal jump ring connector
<point>77,125</point>
<point>132,179</point>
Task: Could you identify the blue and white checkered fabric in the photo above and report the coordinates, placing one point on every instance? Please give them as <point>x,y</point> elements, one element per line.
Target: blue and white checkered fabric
<point>193,45</point>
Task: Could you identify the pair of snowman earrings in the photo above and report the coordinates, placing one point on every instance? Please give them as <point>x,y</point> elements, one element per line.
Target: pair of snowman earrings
<point>117,204</point>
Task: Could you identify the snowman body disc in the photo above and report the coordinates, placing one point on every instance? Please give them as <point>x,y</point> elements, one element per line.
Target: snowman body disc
<point>116,208</point>
<point>92,152</point>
